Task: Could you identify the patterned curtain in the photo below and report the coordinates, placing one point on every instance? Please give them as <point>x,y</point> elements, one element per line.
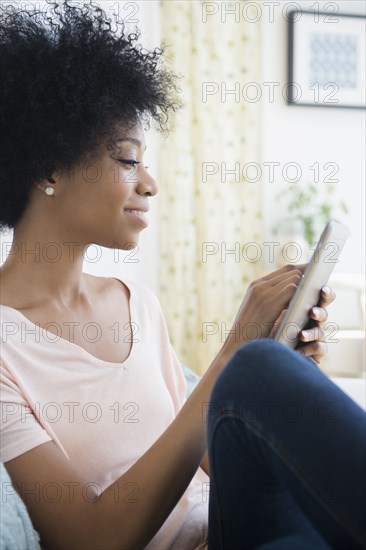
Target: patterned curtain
<point>210,226</point>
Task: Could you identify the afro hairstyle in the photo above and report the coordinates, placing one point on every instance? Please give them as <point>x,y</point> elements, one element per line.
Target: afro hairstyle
<point>67,82</point>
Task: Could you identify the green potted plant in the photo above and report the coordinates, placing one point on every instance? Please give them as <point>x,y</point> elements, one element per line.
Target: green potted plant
<point>309,211</point>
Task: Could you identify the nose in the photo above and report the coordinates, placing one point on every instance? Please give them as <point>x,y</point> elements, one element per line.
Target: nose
<point>146,184</point>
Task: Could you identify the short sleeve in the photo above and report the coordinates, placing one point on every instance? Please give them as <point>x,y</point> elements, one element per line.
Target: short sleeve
<point>178,388</point>
<point>20,431</point>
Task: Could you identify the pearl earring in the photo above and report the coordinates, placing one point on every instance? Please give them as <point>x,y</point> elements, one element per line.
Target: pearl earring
<point>49,191</point>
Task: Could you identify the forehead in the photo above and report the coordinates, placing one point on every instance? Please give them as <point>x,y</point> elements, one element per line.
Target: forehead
<point>121,136</point>
<point>133,134</point>
<point>129,139</point>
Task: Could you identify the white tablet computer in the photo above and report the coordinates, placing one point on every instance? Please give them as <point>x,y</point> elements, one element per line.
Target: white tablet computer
<point>315,277</point>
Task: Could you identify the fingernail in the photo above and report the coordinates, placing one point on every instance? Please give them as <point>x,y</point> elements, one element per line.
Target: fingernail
<point>326,289</point>
<point>304,334</point>
<point>316,311</point>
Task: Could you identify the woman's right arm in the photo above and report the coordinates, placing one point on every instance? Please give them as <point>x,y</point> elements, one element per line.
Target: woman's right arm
<point>129,513</point>
<point>159,478</point>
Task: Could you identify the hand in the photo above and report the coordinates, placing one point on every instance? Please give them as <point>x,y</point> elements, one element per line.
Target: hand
<point>314,335</point>
<point>263,303</point>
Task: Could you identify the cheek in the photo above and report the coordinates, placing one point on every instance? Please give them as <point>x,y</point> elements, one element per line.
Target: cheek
<point>108,194</point>
<point>85,207</point>
<point>117,186</point>
<point>101,197</point>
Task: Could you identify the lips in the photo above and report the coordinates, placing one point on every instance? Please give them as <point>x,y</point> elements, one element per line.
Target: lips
<point>138,214</point>
<point>138,209</point>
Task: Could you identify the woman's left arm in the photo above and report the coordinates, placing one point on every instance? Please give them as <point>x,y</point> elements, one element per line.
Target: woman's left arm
<point>312,342</point>
<point>312,339</point>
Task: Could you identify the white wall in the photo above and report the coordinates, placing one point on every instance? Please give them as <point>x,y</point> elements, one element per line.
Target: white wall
<point>306,135</point>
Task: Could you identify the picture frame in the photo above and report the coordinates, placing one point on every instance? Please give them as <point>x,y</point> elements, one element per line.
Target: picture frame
<point>326,59</point>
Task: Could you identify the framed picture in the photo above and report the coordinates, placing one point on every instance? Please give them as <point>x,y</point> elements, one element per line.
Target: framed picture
<point>326,59</point>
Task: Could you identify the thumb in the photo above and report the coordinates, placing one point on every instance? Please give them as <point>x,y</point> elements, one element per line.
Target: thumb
<point>277,323</point>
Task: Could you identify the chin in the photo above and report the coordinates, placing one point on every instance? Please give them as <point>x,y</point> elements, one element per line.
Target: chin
<point>126,244</point>
<point>130,245</point>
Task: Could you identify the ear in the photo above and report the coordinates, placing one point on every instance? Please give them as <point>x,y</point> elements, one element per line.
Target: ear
<point>45,183</point>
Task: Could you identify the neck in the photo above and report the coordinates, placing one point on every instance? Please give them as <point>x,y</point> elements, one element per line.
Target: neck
<point>44,265</point>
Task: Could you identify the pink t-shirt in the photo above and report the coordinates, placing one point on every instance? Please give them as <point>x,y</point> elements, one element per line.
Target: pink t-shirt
<point>103,416</point>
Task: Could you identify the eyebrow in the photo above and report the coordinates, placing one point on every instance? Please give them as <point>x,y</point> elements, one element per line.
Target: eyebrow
<point>132,140</point>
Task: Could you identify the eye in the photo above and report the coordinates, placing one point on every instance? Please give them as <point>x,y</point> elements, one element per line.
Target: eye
<point>129,162</point>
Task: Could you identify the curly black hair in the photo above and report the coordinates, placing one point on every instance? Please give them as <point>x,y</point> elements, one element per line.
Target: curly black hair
<point>67,81</point>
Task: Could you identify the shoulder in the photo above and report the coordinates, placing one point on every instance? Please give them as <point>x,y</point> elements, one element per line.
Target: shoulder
<point>105,287</point>
<point>140,289</point>
<point>143,297</point>
<point>97,283</point>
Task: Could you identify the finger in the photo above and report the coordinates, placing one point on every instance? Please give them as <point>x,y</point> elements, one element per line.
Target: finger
<point>319,314</point>
<point>294,273</point>
<point>292,277</point>
<point>286,287</point>
<point>314,334</point>
<point>282,292</point>
<point>327,296</point>
<point>284,270</point>
<point>314,349</point>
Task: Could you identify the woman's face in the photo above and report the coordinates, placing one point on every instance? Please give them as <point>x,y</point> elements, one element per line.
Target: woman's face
<point>96,202</point>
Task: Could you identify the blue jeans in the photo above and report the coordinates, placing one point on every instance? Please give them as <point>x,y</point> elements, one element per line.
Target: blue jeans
<point>287,456</point>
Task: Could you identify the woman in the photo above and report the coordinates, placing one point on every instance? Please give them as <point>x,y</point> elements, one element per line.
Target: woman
<point>96,434</point>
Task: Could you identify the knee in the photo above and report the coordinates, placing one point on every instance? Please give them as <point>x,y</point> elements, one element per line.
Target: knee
<point>260,355</point>
<point>258,351</point>
<point>259,364</point>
